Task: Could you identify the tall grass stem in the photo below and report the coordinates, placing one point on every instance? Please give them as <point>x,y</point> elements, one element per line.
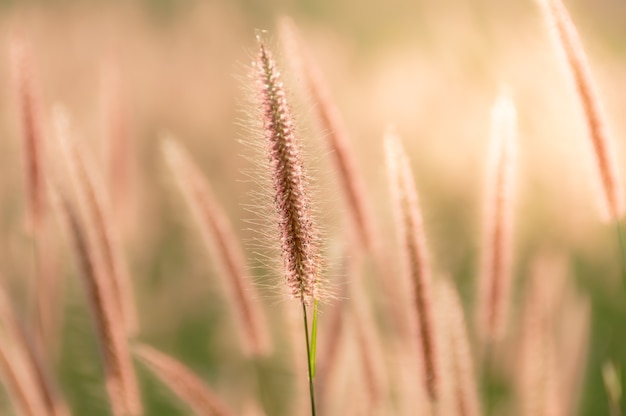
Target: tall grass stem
<point>310,356</point>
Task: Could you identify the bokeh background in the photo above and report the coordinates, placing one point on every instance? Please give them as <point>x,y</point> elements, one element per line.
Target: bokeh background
<point>431,68</point>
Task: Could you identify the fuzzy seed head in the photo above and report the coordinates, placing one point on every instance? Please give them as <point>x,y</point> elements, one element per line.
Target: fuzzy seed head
<point>298,234</point>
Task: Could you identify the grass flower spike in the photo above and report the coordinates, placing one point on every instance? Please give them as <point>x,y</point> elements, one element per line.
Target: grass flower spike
<point>413,241</point>
<point>568,42</point>
<point>298,234</point>
<point>110,326</point>
<point>495,276</point>
<point>221,240</point>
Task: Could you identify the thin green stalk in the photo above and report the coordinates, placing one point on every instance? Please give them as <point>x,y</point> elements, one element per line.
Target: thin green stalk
<point>310,357</point>
<point>314,339</point>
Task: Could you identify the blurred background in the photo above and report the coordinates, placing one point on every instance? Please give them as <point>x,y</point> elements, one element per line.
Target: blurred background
<point>431,68</point>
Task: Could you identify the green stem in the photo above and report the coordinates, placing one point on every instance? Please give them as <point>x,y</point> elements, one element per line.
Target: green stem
<point>313,339</point>
<point>310,363</point>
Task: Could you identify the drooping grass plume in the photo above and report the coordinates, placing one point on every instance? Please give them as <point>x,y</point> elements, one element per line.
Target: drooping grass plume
<point>31,129</point>
<point>465,396</point>
<point>568,42</point>
<point>336,134</point>
<point>120,378</point>
<point>415,257</point>
<point>297,230</point>
<point>96,212</point>
<point>34,149</point>
<point>183,382</point>
<point>227,252</point>
<point>33,141</point>
<point>495,279</point>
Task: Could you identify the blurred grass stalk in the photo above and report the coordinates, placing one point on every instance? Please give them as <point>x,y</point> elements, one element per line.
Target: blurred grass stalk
<point>567,41</point>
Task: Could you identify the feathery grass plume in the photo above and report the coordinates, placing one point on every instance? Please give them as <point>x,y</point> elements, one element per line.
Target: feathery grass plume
<point>567,40</point>
<point>121,382</point>
<point>338,138</point>
<point>465,394</point>
<point>222,242</point>
<point>34,148</point>
<point>298,232</point>
<point>495,277</point>
<point>32,130</point>
<point>414,250</point>
<point>98,219</point>
<point>183,382</point>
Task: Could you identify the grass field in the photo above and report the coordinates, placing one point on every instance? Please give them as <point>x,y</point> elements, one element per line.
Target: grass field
<point>168,165</point>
